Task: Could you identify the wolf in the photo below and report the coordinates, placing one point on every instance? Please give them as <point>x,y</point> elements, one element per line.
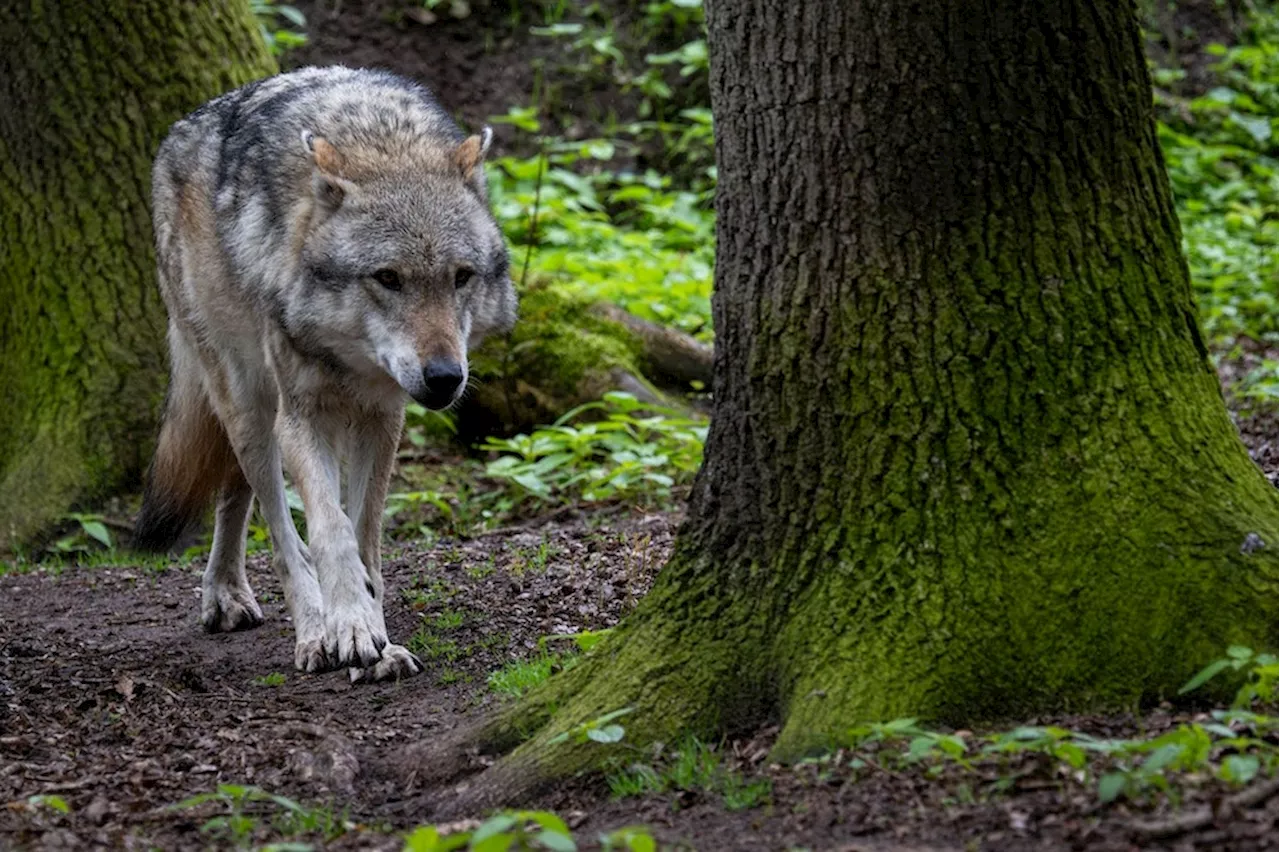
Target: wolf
<point>325,250</point>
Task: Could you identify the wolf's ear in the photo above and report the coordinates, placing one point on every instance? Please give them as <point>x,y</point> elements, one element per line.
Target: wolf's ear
<point>469,157</point>
<point>329,185</point>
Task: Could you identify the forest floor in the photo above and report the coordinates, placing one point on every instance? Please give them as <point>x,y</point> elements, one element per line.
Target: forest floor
<point>116,705</point>
<point>116,709</point>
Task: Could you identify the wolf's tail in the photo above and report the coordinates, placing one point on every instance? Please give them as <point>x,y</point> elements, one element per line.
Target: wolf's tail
<point>193,458</point>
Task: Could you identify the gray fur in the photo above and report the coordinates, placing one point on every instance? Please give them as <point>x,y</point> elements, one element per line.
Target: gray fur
<point>312,230</point>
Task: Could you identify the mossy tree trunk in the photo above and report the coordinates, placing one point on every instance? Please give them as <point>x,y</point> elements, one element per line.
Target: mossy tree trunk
<point>967,459</point>
<point>87,91</point>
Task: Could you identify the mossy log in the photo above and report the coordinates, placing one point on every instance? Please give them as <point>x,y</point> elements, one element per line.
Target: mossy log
<point>567,350</point>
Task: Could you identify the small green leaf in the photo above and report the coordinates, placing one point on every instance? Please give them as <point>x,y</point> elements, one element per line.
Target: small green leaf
<point>547,820</point>
<point>1072,754</point>
<point>1257,126</point>
<point>1204,676</point>
<point>494,825</point>
<point>556,841</point>
<point>920,748</point>
<point>1162,757</point>
<point>98,531</point>
<point>607,734</point>
<point>1110,786</point>
<point>557,30</point>
<point>56,803</point>
<point>497,843</point>
<point>1240,768</point>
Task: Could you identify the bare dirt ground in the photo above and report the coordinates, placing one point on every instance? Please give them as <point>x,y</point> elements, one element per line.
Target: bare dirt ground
<point>112,698</point>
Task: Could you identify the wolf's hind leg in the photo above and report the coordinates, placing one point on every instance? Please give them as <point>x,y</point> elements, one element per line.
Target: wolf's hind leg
<point>228,599</point>
<point>372,443</point>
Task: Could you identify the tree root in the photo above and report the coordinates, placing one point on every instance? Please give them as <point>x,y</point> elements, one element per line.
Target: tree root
<point>669,677</point>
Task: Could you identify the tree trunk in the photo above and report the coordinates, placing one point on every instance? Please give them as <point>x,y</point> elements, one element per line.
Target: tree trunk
<point>87,91</point>
<point>967,458</point>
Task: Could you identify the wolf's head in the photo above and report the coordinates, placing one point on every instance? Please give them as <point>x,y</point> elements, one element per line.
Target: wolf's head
<point>403,265</point>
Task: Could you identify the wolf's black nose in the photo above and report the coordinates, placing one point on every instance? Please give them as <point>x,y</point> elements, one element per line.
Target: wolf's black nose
<point>442,377</point>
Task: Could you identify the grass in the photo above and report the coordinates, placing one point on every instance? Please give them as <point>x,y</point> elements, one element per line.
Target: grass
<point>534,559</point>
<point>423,593</point>
<point>519,676</point>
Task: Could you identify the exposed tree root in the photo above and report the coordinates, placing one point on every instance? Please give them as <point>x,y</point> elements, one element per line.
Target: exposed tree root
<point>672,678</point>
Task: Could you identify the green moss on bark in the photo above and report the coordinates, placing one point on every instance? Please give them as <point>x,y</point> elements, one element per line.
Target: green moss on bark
<point>87,93</point>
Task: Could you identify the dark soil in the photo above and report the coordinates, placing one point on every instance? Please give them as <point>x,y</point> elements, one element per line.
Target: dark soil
<point>113,699</point>
<point>467,63</point>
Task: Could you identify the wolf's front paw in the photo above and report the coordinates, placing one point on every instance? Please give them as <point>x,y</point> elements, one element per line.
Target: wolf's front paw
<point>354,635</point>
<point>226,608</point>
<point>397,662</point>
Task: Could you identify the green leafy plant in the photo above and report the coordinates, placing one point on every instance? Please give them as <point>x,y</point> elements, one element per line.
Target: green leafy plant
<point>693,766</point>
<point>1263,673</point>
<point>90,529</point>
<point>1237,745</point>
<point>1220,147</point>
<point>637,450</point>
<point>523,830</point>
<point>240,810</point>
<point>273,22</point>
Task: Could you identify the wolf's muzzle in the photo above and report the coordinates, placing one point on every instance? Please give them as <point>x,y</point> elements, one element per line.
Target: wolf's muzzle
<point>441,379</point>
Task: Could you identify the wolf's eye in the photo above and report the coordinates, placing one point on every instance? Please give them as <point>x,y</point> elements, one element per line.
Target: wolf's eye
<point>387,278</point>
<point>462,277</point>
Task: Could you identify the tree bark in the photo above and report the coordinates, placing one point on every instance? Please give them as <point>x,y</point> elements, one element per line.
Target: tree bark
<point>87,92</point>
<point>967,458</point>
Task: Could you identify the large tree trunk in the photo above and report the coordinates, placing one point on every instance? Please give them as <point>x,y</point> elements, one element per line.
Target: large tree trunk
<point>87,91</point>
<point>967,458</point>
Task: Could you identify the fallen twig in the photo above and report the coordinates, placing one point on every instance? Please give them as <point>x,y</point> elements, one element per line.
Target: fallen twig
<point>1205,815</point>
